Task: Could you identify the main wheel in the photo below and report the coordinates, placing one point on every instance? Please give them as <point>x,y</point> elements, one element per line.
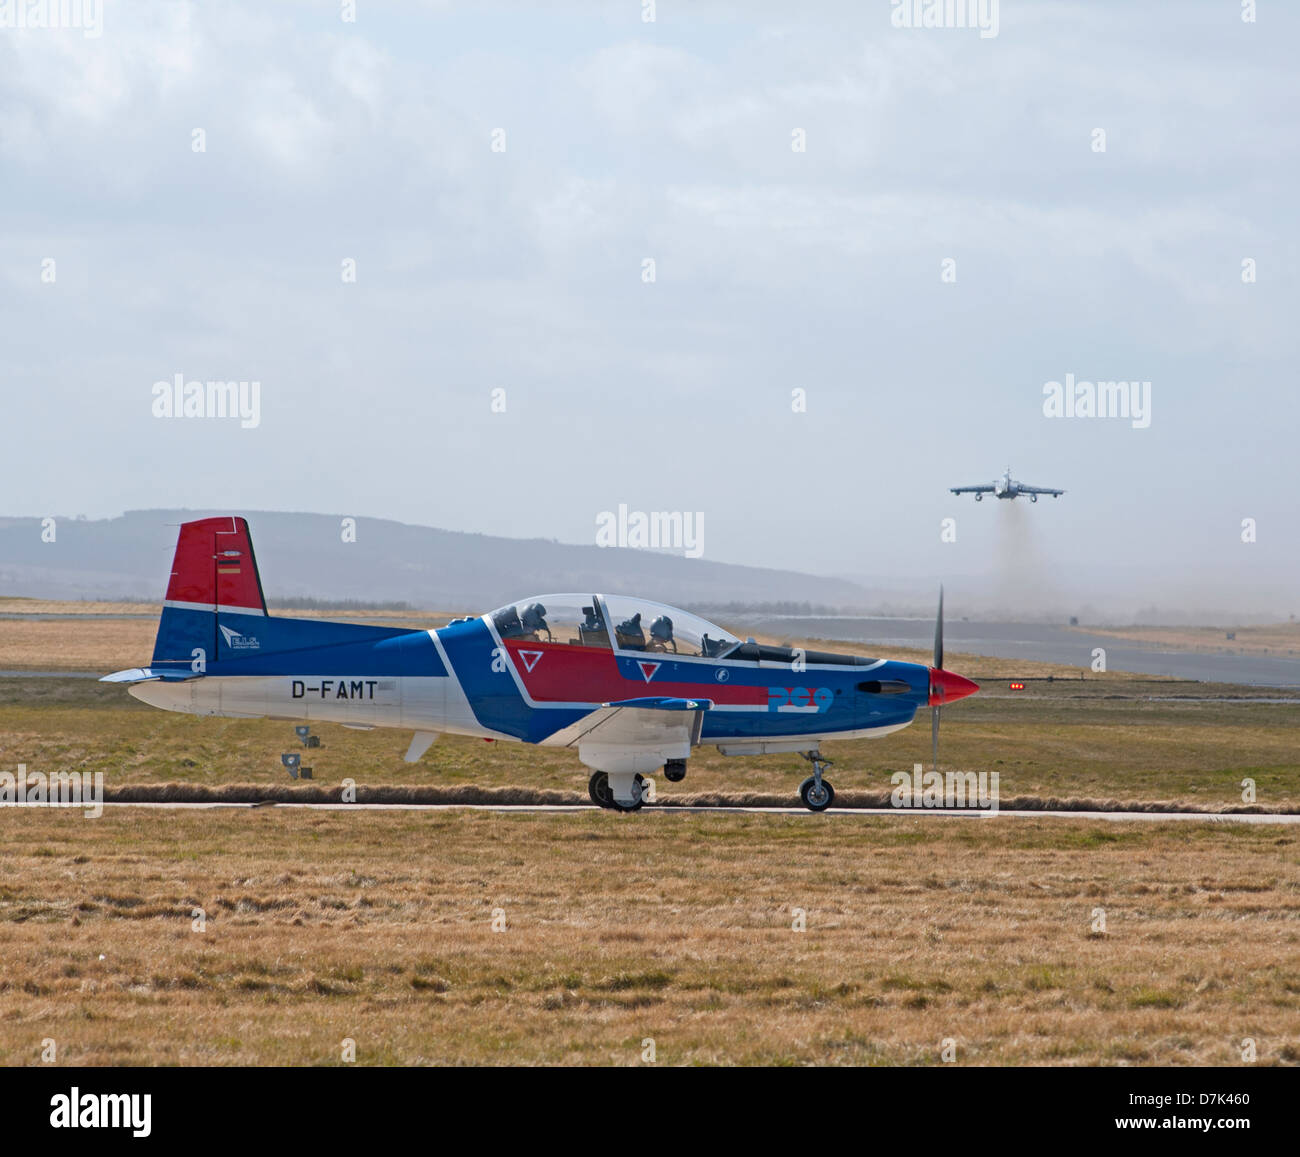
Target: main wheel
<point>816,799</point>
<point>598,789</point>
<point>638,790</point>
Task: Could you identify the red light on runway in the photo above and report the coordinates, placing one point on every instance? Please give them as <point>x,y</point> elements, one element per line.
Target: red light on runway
<point>1017,686</point>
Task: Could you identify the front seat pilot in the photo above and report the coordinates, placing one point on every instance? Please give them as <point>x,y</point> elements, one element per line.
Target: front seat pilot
<point>534,622</point>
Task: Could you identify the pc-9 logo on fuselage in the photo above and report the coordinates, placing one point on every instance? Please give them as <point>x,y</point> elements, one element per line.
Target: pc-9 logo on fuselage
<point>817,699</point>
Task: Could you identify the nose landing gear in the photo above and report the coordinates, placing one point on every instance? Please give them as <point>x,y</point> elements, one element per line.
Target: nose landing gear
<point>602,793</point>
<point>816,792</point>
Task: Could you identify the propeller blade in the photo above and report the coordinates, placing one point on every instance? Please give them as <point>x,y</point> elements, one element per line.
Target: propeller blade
<point>938,632</point>
<point>934,737</point>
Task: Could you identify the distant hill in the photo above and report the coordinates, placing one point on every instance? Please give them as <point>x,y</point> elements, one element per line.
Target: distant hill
<point>302,556</point>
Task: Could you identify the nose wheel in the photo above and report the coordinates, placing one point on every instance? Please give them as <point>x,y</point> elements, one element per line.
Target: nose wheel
<point>816,792</point>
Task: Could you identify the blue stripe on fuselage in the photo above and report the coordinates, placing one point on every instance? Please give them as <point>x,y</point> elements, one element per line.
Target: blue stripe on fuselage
<point>270,645</point>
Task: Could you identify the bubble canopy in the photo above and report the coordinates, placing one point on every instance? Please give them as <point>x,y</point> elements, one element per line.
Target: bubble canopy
<point>623,622</point>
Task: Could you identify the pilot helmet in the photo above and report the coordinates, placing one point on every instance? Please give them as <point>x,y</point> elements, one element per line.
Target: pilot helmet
<point>534,617</point>
<point>662,629</point>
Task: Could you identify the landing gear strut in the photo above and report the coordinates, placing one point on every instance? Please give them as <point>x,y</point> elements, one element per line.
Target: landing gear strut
<point>816,792</point>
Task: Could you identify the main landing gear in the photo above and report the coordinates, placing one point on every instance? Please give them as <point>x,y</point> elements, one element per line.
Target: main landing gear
<point>816,793</point>
<point>598,789</point>
<point>602,794</point>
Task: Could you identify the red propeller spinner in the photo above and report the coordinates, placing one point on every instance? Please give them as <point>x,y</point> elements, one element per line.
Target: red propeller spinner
<point>947,687</point>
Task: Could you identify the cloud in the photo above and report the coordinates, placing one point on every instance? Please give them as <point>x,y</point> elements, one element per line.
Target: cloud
<point>774,269</point>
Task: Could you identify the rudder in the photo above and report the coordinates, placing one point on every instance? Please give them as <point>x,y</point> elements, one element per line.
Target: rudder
<point>214,571</point>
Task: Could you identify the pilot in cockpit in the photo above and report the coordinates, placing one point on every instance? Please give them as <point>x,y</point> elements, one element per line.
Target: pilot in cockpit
<point>661,635</point>
<point>533,621</point>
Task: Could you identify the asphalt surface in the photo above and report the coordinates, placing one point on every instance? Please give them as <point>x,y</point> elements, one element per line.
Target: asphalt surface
<point>907,813</point>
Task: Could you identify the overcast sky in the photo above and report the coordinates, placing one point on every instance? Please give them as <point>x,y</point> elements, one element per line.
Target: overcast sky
<point>775,269</point>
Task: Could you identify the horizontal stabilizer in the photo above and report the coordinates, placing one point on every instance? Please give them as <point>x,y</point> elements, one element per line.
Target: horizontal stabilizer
<point>148,674</point>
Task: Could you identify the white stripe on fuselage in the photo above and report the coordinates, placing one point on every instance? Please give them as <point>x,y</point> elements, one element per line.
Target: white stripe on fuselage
<point>212,608</point>
<point>460,717</point>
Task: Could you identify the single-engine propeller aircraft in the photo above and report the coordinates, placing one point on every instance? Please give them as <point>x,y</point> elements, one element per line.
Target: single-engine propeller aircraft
<point>1006,487</point>
<point>632,685</point>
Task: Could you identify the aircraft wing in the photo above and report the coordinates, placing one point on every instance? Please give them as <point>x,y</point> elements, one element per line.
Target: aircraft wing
<point>986,488</point>
<point>650,723</point>
<point>1039,490</point>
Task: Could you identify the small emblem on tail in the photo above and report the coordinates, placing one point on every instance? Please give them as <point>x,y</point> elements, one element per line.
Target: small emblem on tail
<point>237,642</point>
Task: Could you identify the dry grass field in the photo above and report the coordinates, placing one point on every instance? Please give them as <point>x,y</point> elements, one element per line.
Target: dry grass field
<point>19,605</point>
<point>105,637</point>
<point>678,928</point>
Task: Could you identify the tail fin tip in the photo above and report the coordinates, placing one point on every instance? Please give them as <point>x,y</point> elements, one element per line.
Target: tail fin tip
<point>214,567</point>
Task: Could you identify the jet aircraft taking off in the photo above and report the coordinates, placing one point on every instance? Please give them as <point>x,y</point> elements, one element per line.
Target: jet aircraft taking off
<point>633,686</point>
<point>1007,487</point>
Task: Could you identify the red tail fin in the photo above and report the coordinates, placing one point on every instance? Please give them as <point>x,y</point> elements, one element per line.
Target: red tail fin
<point>214,567</point>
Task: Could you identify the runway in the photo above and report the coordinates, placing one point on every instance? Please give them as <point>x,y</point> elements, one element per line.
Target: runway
<point>903,813</point>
